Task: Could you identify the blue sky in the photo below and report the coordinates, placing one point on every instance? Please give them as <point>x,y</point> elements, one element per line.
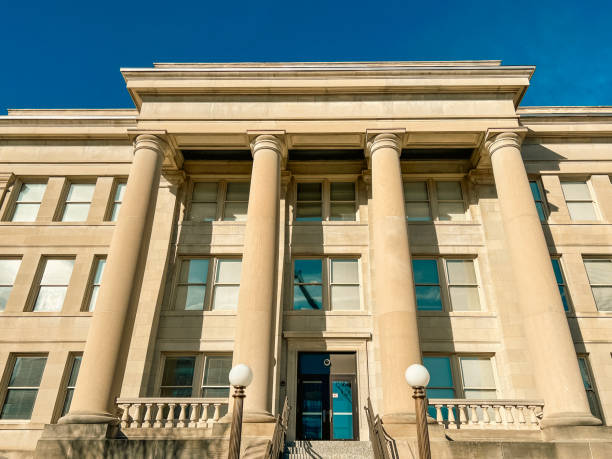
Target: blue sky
<point>60,54</point>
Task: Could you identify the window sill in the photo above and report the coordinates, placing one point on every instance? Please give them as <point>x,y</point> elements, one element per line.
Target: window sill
<point>330,223</point>
<point>16,424</point>
<point>215,223</point>
<point>487,314</point>
<point>589,315</point>
<point>314,312</point>
<point>445,223</point>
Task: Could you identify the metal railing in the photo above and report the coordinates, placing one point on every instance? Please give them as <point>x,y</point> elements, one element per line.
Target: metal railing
<point>382,444</point>
<point>276,446</point>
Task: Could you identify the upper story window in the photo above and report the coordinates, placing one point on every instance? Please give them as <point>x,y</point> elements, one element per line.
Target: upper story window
<point>117,201</point>
<point>53,284</point>
<point>8,273</point>
<point>28,202</point>
<point>599,272</point>
<point>579,200</point>
<point>96,280</point>
<point>22,388</point>
<point>192,292</point>
<point>427,200</point>
<point>78,202</point>
<point>329,201</point>
<point>538,198</point>
<point>326,283</point>
<point>451,282</point>
<point>556,262</point>
<point>213,201</point>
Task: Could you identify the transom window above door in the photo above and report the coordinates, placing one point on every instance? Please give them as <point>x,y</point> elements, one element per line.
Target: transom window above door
<point>214,201</point>
<point>427,200</point>
<point>325,201</point>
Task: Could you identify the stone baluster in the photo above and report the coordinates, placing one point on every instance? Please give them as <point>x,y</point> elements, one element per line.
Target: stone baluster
<point>452,423</point>
<point>159,415</point>
<point>439,417</point>
<point>146,422</point>
<point>217,412</point>
<point>182,421</point>
<point>125,417</point>
<point>473,414</point>
<point>204,415</point>
<point>170,418</point>
<point>486,420</point>
<point>193,415</point>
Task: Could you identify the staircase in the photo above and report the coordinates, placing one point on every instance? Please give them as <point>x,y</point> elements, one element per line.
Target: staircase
<point>306,449</point>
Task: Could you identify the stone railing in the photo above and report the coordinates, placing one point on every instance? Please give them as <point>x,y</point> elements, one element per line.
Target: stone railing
<point>146,413</point>
<point>487,414</point>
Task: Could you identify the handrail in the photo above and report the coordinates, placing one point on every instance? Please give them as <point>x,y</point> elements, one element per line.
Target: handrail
<point>383,445</point>
<point>277,444</point>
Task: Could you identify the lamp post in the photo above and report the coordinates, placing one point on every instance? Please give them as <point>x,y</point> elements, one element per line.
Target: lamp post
<point>417,376</point>
<point>240,377</point>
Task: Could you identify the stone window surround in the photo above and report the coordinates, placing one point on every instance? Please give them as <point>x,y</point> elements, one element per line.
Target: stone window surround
<point>36,283</point>
<point>221,198</point>
<point>325,182</point>
<point>4,381</point>
<point>587,180</point>
<point>433,198</point>
<point>63,202</point>
<point>63,392</point>
<point>10,202</point>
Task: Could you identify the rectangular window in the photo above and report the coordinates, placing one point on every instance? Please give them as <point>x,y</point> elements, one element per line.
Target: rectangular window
<point>309,205</point>
<point>536,191</point>
<point>191,289</point>
<point>28,202</point>
<point>227,284</point>
<point>236,201</point>
<point>416,199</point>
<point>561,282</point>
<point>204,202</point>
<point>328,283</point>
<point>78,201</point>
<point>215,383</point>
<point>427,200</point>
<point>342,201</point>
<point>599,272</point>
<point>53,284</point>
<point>99,263</point>
<point>8,273</point>
<point>117,201</point>
<point>579,201</point>
<point>22,388</point>
<point>326,201</point>
<point>450,201</point>
<point>177,379</point>
<point>477,377</point>
<point>441,383</point>
<point>234,197</point>
<point>75,365</point>
<point>587,379</point>
<point>427,285</point>
<point>462,285</point>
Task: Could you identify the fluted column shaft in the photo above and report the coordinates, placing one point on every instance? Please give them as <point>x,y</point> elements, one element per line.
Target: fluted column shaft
<point>254,340</point>
<point>395,307</point>
<point>545,324</point>
<point>92,402</point>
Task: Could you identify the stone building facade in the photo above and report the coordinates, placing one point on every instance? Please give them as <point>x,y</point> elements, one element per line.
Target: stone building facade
<point>326,224</point>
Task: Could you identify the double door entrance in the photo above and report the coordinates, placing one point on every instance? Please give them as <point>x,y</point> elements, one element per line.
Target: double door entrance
<point>327,396</point>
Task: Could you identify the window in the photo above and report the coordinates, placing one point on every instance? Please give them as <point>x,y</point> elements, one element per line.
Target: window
<point>28,202</point>
<point>99,264</point>
<point>8,273</point>
<point>439,200</point>
<point>561,282</point>
<point>458,289</point>
<point>180,373</point>
<point>75,365</point>
<point>53,284</point>
<point>215,383</point>
<point>327,283</point>
<point>599,272</point>
<point>177,379</point>
<point>477,378</point>
<point>579,201</point>
<point>193,279</point>
<point>117,201</point>
<point>536,191</point>
<point>329,201</point>
<point>22,388</point>
<point>78,201</point>
<point>587,379</point>
<point>205,197</point>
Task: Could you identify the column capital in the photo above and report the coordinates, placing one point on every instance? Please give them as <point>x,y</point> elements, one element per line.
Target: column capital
<point>384,139</point>
<point>499,138</point>
<point>151,142</point>
<point>269,140</point>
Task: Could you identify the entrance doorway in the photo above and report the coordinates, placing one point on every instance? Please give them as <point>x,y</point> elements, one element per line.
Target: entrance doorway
<point>327,396</point>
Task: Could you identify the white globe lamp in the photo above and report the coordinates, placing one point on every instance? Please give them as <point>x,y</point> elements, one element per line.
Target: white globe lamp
<point>241,375</point>
<point>417,375</point>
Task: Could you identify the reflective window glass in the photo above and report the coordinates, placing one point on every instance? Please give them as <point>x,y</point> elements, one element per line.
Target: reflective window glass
<point>427,285</point>
<point>53,285</point>
<point>227,284</point>
<point>599,272</point>
<point>309,202</point>
<point>23,387</point>
<point>561,283</point>
<point>97,279</point>
<point>117,201</point>
<point>579,201</point>
<point>71,384</point>
<point>8,273</point>
<point>28,202</point>
<point>78,201</point>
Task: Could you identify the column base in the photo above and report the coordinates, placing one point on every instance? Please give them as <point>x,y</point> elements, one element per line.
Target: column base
<point>569,419</point>
<point>87,417</point>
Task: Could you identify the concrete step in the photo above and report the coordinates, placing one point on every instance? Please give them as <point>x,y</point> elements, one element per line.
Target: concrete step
<point>305,449</point>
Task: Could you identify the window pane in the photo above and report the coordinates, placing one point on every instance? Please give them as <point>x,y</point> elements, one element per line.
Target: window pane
<point>191,297</point>
<point>417,211</point>
<point>237,191</point>
<point>345,297</point>
<point>198,271</point>
<point>449,191</point>
<point>584,372</point>
<point>80,192</point>
<point>540,210</point>
<point>8,271</point>
<point>342,191</point>
<point>228,271</point>
<point>464,298</point>
<point>225,297</point>
<point>425,271</point>
<point>178,371</point>
<point>308,271</point>
<point>50,299</point>
<point>557,269</point>
<point>119,192</point>
<point>215,392</point>
<point>67,401</point>
<point>308,212</point>
<point>535,191</point>
<point>115,212</point>
<point>235,211</point>
<point>415,191</point>
<point>564,297</point>
<point>57,272</point>
<point>345,271</point>
<point>206,192</point>
<point>428,298</point>
<point>576,191</point>
<point>581,211</point>
<point>461,271</point>
<point>203,212</point>
<point>25,212</point>
<point>4,296</point>
<point>74,372</point>
<point>94,298</point>
<point>342,212</point>
<point>175,392</point>
<point>477,373</point>
<point>599,271</point>
<point>99,270</point>
<point>440,371</point>
<point>451,211</point>
<point>307,297</point>
<point>309,191</point>
<point>31,192</point>
<point>18,404</point>
<point>603,298</point>
<point>75,212</point>
<point>27,371</point>
<point>217,370</point>
<point>440,393</point>
<point>480,394</point>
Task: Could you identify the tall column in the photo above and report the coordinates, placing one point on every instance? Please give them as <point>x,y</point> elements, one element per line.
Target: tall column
<point>254,340</point>
<point>545,324</point>
<point>395,308</point>
<point>92,401</point>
